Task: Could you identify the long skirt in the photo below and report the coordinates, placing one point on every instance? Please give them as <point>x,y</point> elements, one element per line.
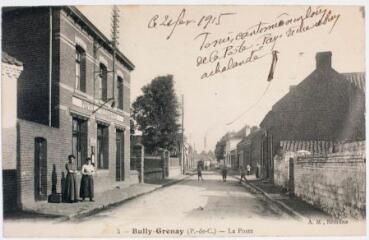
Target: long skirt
<point>70,188</point>
<point>87,187</point>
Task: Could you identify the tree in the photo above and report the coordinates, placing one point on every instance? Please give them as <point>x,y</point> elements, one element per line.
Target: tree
<point>220,149</point>
<point>156,114</point>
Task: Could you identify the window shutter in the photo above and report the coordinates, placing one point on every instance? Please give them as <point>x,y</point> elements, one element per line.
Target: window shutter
<point>83,72</point>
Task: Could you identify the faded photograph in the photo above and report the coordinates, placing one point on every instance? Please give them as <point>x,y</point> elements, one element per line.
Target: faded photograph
<point>183,121</point>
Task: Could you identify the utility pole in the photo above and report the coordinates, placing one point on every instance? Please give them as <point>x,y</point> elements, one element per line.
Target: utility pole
<point>114,41</point>
<point>182,152</point>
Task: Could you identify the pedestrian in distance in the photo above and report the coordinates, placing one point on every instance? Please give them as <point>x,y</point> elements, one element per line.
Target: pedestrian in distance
<point>243,174</point>
<point>70,187</point>
<point>199,172</point>
<point>87,182</point>
<point>248,169</point>
<point>224,173</point>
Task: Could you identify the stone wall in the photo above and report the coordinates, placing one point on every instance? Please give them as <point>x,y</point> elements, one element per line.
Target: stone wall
<point>281,169</point>
<point>334,183</point>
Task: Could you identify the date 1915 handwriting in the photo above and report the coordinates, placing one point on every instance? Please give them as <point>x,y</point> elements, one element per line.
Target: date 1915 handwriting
<point>181,20</point>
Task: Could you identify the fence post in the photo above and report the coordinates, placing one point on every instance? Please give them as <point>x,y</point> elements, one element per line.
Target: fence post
<point>142,158</point>
<point>165,163</point>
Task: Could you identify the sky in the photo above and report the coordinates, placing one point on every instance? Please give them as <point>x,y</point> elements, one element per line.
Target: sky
<point>212,102</point>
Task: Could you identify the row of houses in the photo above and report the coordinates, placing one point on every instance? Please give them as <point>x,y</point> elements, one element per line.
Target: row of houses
<point>65,90</point>
<point>325,106</point>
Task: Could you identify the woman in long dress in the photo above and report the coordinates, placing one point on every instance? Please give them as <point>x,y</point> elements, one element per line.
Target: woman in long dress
<point>87,182</point>
<point>70,188</point>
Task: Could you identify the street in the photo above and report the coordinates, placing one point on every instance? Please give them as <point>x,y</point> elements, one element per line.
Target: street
<point>207,205</point>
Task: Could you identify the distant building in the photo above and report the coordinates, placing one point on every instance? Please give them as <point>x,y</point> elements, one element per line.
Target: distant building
<point>326,105</point>
<point>67,100</point>
<point>249,150</point>
<point>232,139</point>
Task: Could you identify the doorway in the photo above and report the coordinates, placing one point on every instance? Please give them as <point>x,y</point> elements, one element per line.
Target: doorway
<point>119,155</point>
<point>40,177</point>
<point>291,177</point>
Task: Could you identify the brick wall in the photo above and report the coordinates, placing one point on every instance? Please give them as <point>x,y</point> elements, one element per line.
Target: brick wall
<point>57,153</point>
<point>335,182</point>
<point>281,169</point>
<point>58,148</point>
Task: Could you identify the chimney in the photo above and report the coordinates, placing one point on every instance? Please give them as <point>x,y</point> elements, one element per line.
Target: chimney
<point>247,131</point>
<point>323,60</point>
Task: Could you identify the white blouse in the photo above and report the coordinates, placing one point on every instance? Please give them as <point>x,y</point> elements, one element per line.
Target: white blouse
<point>88,169</point>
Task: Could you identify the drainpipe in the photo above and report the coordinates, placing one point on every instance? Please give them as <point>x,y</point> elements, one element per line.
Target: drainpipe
<point>50,59</point>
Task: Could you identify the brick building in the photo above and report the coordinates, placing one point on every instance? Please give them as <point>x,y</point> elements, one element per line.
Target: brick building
<point>11,69</point>
<point>325,106</point>
<point>68,101</point>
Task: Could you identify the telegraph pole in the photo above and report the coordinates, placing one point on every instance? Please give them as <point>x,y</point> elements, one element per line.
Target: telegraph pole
<point>114,41</point>
<point>183,155</point>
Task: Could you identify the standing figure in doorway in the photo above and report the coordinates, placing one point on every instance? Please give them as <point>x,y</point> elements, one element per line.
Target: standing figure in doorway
<point>87,182</point>
<point>70,188</point>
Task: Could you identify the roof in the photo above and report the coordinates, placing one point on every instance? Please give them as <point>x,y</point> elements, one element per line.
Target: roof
<point>268,118</point>
<point>100,35</point>
<point>247,140</point>
<point>356,78</point>
<point>6,58</point>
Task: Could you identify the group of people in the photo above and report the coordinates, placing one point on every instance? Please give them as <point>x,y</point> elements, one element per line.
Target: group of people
<point>87,182</point>
<point>243,173</point>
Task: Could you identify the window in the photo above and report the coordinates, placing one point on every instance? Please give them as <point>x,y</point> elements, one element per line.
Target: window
<point>120,92</point>
<point>79,141</point>
<point>80,69</point>
<point>103,82</point>
<point>102,146</point>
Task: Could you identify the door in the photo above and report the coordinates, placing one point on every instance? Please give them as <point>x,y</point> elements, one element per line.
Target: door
<point>291,177</point>
<point>119,155</point>
<point>40,176</point>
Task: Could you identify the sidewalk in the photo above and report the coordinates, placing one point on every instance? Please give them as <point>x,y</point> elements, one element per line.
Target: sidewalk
<point>103,200</point>
<point>292,205</point>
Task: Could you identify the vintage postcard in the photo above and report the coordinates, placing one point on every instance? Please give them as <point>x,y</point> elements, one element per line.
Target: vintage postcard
<point>183,120</point>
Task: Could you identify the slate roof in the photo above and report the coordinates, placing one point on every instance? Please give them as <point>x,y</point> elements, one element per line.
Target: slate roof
<point>6,58</point>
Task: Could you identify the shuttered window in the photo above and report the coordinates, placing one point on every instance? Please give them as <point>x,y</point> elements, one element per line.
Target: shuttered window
<point>103,82</point>
<point>80,83</point>
<point>120,92</point>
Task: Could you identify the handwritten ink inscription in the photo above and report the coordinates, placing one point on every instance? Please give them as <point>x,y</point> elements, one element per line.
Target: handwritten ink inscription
<point>219,53</point>
<point>172,23</point>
